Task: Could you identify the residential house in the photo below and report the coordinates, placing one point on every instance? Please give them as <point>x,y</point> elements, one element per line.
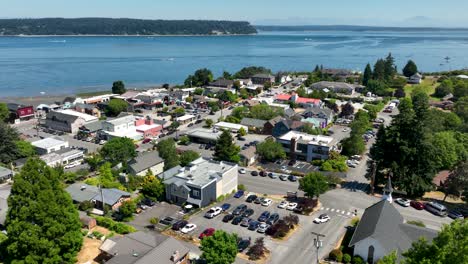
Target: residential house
<point>202,182</point>
<point>324,115</point>
<point>248,156</point>
<point>336,87</point>
<point>67,120</point>
<point>5,174</point>
<point>63,156</point>
<point>20,112</point>
<point>254,125</point>
<point>440,179</point>
<point>338,74</point>
<point>49,145</point>
<point>285,125</point>
<point>5,191</point>
<point>222,83</point>
<point>234,128</point>
<point>415,78</point>
<point>153,101</point>
<point>87,221</point>
<point>144,248</point>
<point>300,101</point>
<point>262,78</point>
<point>146,161</point>
<point>113,198</point>
<point>89,109</point>
<point>302,146</point>
<point>383,230</point>
<point>284,79</point>
<point>180,95</point>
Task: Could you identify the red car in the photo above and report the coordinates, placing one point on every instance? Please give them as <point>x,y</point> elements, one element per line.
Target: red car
<point>146,140</point>
<point>417,205</point>
<point>208,232</point>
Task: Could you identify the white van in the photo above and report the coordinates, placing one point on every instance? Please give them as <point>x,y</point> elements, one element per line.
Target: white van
<point>436,208</point>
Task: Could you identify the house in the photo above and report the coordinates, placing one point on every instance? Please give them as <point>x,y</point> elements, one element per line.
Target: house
<point>222,83</point>
<point>63,157</point>
<point>325,115</point>
<point>382,230</point>
<point>91,129</point>
<point>254,125</point>
<point>285,125</point>
<point>20,112</point>
<point>49,145</point>
<point>284,79</point>
<point>336,87</point>
<point>262,78</point>
<point>303,146</point>
<point>234,128</point>
<point>415,78</point>
<point>202,182</point>
<point>89,109</point>
<point>248,156</point>
<point>301,101</point>
<point>338,74</point>
<point>5,174</point>
<point>153,101</point>
<point>81,192</point>
<point>87,221</point>
<point>440,178</point>
<point>67,120</point>
<point>143,248</point>
<point>146,161</point>
<point>180,94</point>
<point>5,191</point>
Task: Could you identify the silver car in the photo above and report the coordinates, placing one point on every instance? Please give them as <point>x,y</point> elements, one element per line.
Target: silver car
<point>262,228</point>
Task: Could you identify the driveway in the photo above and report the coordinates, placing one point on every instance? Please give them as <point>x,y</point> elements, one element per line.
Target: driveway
<point>160,210</point>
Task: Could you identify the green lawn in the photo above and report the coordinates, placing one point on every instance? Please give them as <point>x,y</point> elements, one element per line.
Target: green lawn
<point>428,85</point>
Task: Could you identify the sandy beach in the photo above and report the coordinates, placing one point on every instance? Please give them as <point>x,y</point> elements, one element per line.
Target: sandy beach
<point>34,100</point>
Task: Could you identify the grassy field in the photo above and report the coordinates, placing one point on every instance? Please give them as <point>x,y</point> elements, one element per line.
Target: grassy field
<point>428,85</point>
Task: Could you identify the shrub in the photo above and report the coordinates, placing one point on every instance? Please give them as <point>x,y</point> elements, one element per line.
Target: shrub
<point>110,224</point>
<point>220,198</point>
<point>154,220</point>
<point>336,255</point>
<point>86,205</point>
<point>84,232</point>
<point>358,260</point>
<point>417,223</point>
<point>241,187</point>
<point>346,258</point>
<point>98,234</point>
<point>355,221</point>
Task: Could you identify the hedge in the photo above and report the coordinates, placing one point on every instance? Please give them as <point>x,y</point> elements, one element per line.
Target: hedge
<point>112,225</point>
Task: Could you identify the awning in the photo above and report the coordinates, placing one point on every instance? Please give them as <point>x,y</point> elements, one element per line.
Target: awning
<point>194,201</point>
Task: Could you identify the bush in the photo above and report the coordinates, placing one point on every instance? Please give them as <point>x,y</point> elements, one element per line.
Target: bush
<point>86,205</point>
<point>358,260</point>
<point>416,223</point>
<point>154,220</point>
<point>241,187</point>
<point>355,221</point>
<point>346,258</point>
<point>98,234</point>
<point>336,255</point>
<point>220,198</point>
<point>110,224</point>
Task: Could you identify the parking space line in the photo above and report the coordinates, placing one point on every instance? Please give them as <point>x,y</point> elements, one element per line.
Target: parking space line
<point>332,210</point>
<point>348,213</point>
<point>343,212</point>
<point>327,208</point>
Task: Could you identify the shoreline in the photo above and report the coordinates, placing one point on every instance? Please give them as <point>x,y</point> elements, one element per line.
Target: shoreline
<point>111,35</point>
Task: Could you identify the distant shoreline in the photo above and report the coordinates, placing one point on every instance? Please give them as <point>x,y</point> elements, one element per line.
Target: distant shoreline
<point>104,35</point>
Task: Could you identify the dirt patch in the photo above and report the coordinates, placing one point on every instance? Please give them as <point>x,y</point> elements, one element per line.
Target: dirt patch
<point>179,236</point>
<point>90,249</point>
<point>262,260</point>
<point>440,196</point>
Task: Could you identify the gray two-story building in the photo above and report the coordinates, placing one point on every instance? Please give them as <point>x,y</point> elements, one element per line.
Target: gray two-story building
<point>302,146</point>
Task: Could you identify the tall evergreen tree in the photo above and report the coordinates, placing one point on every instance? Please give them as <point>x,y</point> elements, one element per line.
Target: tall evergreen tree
<point>379,70</point>
<point>390,68</point>
<point>225,148</point>
<point>118,87</point>
<point>410,69</point>
<point>42,223</point>
<point>367,75</point>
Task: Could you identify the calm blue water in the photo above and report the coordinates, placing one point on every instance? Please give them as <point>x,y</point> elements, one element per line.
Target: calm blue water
<point>59,65</point>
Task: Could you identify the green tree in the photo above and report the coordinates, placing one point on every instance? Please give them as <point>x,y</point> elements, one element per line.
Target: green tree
<point>225,148</point>
<point>174,125</point>
<point>241,132</point>
<point>457,183</point>
<point>198,91</point>
<point>267,85</point>
<point>461,108</point>
<point>227,96</point>
<point>389,259</point>
<point>201,77</point>
<point>313,184</point>
<point>25,149</point>
<point>8,148</point>
<point>367,76</point>
<point>353,145</point>
<point>347,109</point>
<point>188,156</point>
<point>377,87</point>
<point>118,150</point>
<point>232,119</point>
<point>450,150</point>
<point>127,209</point>
<point>448,247</point>
<point>106,178</point>
<point>179,111</point>
<point>209,122</point>
<point>4,112</point>
<point>42,223</point>
<point>410,69</point>
<point>168,152</point>
<point>390,68</point>
<point>445,87</point>
<point>379,70</point>
<point>227,75</point>
<point>460,89</point>
<point>240,112</point>
<point>118,87</point>
<point>220,248</point>
<point>116,106</point>
<point>94,161</point>
<point>236,85</point>
<point>265,112</point>
<point>270,150</point>
<point>184,140</point>
<point>257,250</point>
<point>248,72</point>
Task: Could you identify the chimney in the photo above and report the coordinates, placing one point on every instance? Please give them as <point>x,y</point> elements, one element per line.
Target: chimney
<point>175,256</point>
<point>83,187</point>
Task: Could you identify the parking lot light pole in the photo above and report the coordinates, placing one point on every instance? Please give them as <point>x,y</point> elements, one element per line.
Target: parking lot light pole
<point>318,243</point>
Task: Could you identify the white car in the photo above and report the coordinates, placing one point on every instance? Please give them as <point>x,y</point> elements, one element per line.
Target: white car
<point>266,202</point>
<point>322,219</point>
<point>214,211</point>
<point>291,206</point>
<point>283,204</point>
<point>188,228</point>
<point>263,227</point>
<point>242,171</point>
<point>345,129</point>
<point>403,202</point>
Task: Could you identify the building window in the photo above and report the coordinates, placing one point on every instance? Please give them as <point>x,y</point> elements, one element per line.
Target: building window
<point>196,193</point>
<point>370,255</point>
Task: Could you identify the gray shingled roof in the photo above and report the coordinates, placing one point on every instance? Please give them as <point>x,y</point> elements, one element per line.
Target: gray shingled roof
<point>81,192</point>
<point>54,115</point>
<point>144,161</point>
<point>252,122</point>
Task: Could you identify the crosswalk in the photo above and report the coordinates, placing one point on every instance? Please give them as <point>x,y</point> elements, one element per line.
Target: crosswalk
<point>343,213</point>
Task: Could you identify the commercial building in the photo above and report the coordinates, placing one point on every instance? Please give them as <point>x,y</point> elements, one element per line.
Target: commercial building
<point>132,127</point>
<point>20,112</point>
<point>307,147</point>
<point>63,157</point>
<point>336,87</point>
<point>203,135</point>
<point>301,101</point>
<point>185,119</point>
<point>49,145</point>
<point>202,182</point>
<point>68,120</point>
<point>234,128</point>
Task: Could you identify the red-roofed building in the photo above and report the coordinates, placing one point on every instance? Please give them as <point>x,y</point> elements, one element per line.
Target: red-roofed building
<point>440,178</point>
<point>283,97</point>
<point>301,101</point>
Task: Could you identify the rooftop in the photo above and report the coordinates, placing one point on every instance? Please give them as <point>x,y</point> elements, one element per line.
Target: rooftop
<point>204,133</point>
<point>145,161</point>
<point>48,142</point>
<point>83,192</point>
<point>61,154</point>
<point>307,138</point>
<point>338,85</point>
<point>4,172</point>
<point>121,120</point>
<point>86,117</point>
<point>231,125</point>
<point>185,118</point>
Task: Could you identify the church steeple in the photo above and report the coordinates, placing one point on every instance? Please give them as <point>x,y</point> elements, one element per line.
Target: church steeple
<point>388,190</point>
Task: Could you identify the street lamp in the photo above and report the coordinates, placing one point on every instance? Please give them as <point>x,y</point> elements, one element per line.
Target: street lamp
<point>318,243</point>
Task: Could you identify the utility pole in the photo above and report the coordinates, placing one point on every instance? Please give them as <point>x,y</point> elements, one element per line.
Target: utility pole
<point>318,243</point>
<point>373,171</point>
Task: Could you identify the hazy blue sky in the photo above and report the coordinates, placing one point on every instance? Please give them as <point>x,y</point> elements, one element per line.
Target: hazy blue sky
<point>357,12</point>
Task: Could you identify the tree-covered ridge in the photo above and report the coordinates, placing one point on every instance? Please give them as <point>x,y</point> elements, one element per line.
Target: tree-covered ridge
<point>121,26</point>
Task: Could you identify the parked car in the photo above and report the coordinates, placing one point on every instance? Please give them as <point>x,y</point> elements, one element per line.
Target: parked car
<point>254,173</point>
<point>283,204</point>
<point>179,224</point>
<point>262,228</point>
<point>291,206</point>
<point>228,218</point>
<point>245,221</point>
<point>403,202</point>
<point>248,212</point>
<point>259,200</point>
<point>239,209</point>
<point>214,211</point>
<point>146,140</point>
<point>167,221</point>
<point>236,220</point>
<point>242,171</point>
<point>455,214</point>
<point>273,219</point>
<point>188,228</point>
<point>272,175</point>
<point>202,146</point>
<point>417,205</point>
<point>251,198</point>
<point>292,178</point>
<point>206,233</point>
<point>264,216</point>
<point>323,218</point>
<point>266,202</point>
<point>243,243</point>
<point>436,208</point>
<point>283,177</point>
<point>292,163</point>
<point>253,225</point>
<point>263,173</point>
<point>225,206</point>
<point>239,194</point>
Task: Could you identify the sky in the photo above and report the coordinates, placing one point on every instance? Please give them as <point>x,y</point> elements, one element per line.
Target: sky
<point>448,13</point>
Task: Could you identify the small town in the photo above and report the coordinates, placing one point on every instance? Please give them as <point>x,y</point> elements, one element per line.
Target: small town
<point>325,166</point>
